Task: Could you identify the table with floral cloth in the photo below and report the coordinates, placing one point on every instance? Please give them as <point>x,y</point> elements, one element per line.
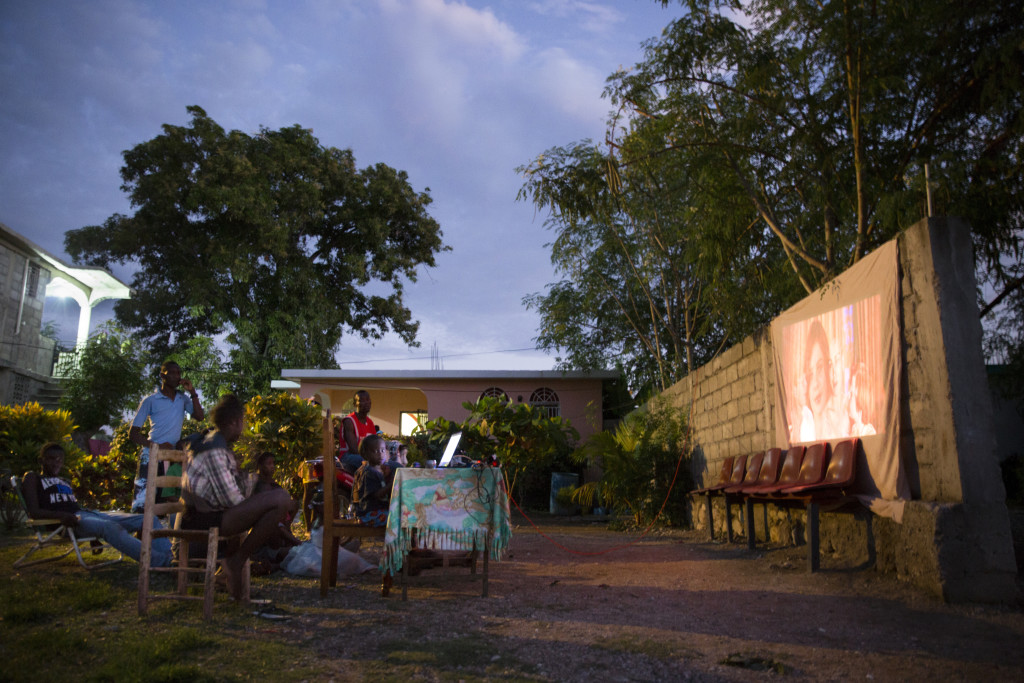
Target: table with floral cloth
<point>449,509</point>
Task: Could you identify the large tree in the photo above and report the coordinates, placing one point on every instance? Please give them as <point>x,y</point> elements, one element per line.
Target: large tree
<point>271,239</point>
<point>797,135</point>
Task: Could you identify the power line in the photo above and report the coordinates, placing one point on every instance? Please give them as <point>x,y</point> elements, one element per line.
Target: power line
<point>439,357</point>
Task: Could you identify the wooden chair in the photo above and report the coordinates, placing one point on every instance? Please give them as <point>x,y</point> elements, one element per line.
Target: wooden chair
<point>336,527</point>
<point>50,533</point>
<point>185,567</point>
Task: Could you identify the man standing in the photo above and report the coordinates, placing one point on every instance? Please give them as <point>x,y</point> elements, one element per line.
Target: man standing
<point>354,428</point>
<point>165,409</point>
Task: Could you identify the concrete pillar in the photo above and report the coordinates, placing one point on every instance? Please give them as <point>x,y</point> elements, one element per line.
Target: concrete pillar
<point>949,438</point>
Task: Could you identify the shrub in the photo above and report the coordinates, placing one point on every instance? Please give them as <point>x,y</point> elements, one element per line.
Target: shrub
<point>639,462</point>
<point>528,443</point>
<point>23,431</point>
<point>285,425</point>
<point>105,482</point>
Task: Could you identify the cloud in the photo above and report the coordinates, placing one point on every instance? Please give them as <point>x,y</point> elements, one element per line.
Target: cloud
<point>593,17</point>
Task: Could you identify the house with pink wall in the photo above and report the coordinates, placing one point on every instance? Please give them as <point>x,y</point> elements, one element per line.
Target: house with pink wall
<point>404,398</point>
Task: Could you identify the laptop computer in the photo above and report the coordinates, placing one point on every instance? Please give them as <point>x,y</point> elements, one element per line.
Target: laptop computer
<point>449,450</point>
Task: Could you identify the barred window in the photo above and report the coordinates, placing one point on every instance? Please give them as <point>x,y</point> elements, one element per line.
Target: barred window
<point>32,286</point>
<point>494,392</point>
<point>20,389</point>
<point>546,400</point>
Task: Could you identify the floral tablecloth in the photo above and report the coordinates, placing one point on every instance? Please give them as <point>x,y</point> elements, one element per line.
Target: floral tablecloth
<point>450,508</point>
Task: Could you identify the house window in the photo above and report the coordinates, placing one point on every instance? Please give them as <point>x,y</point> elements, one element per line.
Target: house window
<point>546,400</point>
<point>494,392</point>
<point>20,390</point>
<point>412,421</point>
<point>32,286</point>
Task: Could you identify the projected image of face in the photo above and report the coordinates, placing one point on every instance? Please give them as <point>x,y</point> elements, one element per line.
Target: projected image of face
<point>821,417</point>
<point>818,371</point>
<point>832,374</point>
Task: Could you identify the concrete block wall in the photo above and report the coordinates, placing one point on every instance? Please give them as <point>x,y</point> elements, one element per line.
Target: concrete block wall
<point>954,539</point>
<point>26,356</point>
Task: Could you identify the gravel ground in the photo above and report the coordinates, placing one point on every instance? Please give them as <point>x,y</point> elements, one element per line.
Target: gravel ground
<point>573,601</point>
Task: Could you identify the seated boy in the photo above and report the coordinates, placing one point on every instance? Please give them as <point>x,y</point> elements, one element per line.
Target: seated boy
<point>48,496</point>
<point>370,493</point>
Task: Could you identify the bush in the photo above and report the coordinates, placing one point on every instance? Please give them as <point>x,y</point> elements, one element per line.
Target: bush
<point>106,482</point>
<point>285,425</point>
<point>23,431</point>
<point>639,463</point>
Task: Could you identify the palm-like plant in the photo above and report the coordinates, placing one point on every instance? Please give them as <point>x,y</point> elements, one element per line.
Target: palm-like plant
<point>645,465</point>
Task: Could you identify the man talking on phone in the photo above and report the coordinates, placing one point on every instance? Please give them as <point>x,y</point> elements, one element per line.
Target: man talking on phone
<point>165,409</point>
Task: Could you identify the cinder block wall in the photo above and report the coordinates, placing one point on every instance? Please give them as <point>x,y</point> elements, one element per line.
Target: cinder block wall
<point>954,539</point>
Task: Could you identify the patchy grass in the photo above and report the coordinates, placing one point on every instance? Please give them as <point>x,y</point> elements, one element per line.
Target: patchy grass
<point>60,622</point>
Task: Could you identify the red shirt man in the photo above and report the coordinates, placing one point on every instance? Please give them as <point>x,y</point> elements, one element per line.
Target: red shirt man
<point>354,428</point>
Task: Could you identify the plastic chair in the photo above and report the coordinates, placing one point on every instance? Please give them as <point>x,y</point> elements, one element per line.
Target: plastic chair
<point>724,477</point>
<point>185,567</point>
<point>50,533</point>
<point>751,475</point>
<point>789,475</point>
<point>769,473</point>
<point>841,472</point>
<point>812,469</point>
<point>736,476</point>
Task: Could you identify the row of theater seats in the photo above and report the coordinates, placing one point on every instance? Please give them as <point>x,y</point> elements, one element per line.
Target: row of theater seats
<point>804,476</point>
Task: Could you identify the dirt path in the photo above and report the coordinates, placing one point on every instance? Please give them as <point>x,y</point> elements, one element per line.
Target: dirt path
<point>671,607</point>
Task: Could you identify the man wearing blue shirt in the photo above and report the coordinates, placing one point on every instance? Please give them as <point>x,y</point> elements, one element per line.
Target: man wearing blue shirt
<point>165,409</point>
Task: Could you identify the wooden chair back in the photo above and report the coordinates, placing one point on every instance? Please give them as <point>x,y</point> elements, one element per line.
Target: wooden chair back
<point>336,527</point>
<point>185,567</point>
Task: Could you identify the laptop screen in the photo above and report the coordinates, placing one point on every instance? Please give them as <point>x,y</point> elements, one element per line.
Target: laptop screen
<point>449,450</point>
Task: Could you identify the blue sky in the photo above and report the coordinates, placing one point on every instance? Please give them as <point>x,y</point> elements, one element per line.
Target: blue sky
<point>457,94</point>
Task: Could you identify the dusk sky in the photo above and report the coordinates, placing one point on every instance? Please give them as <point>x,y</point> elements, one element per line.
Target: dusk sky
<point>457,94</point>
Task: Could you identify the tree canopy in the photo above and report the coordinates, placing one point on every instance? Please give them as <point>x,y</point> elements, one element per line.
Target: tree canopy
<point>273,240</point>
<point>779,142</point>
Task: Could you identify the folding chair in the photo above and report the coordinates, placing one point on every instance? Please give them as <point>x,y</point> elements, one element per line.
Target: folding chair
<point>185,567</point>
<point>51,533</point>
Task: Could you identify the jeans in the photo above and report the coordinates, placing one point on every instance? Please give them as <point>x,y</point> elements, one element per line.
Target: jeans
<point>352,462</point>
<point>119,529</point>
